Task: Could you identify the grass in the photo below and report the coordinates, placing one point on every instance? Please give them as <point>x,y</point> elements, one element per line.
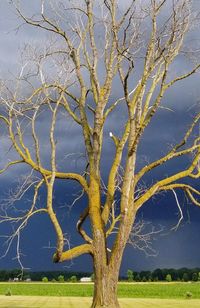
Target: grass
<point>48,289</point>
<point>159,290</point>
<point>126,290</point>
<point>74,302</point>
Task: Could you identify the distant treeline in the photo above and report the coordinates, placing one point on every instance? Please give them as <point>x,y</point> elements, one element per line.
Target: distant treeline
<point>169,274</point>
<point>165,274</point>
<point>6,275</point>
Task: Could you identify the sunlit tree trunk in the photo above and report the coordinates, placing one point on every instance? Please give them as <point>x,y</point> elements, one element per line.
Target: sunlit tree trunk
<point>105,288</point>
<point>106,276</point>
<point>107,264</point>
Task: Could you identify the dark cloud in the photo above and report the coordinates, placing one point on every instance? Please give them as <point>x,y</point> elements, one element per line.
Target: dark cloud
<point>176,249</point>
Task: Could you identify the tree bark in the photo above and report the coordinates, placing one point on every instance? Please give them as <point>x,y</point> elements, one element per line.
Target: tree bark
<point>105,288</point>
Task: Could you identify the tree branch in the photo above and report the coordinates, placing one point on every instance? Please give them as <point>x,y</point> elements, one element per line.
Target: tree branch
<point>73,253</point>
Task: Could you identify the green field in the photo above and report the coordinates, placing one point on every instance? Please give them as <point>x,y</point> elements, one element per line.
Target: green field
<point>126,290</point>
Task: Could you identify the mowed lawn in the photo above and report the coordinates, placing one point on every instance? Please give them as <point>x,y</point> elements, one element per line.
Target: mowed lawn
<point>74,302</point>
<point>125,290</point>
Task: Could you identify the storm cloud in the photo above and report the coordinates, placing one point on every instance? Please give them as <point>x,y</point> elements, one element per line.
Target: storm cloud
<point>179,106</point>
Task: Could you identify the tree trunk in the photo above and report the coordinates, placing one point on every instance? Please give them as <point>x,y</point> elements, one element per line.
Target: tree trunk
<point>106,276</point>
<point>105,289</point>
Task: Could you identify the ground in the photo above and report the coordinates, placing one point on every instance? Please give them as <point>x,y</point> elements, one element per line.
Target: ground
<point>74,302</point>
<point>73,295</point>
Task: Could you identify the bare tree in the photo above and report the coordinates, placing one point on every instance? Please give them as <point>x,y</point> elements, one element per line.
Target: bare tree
<point>90,45</point>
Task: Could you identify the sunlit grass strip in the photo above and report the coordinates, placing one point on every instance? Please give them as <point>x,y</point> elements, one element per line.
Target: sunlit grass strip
<point>74,302</point>
<point>147,290</point>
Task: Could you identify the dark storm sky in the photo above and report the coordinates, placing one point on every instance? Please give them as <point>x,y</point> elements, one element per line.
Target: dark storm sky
<point>174,249</point>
